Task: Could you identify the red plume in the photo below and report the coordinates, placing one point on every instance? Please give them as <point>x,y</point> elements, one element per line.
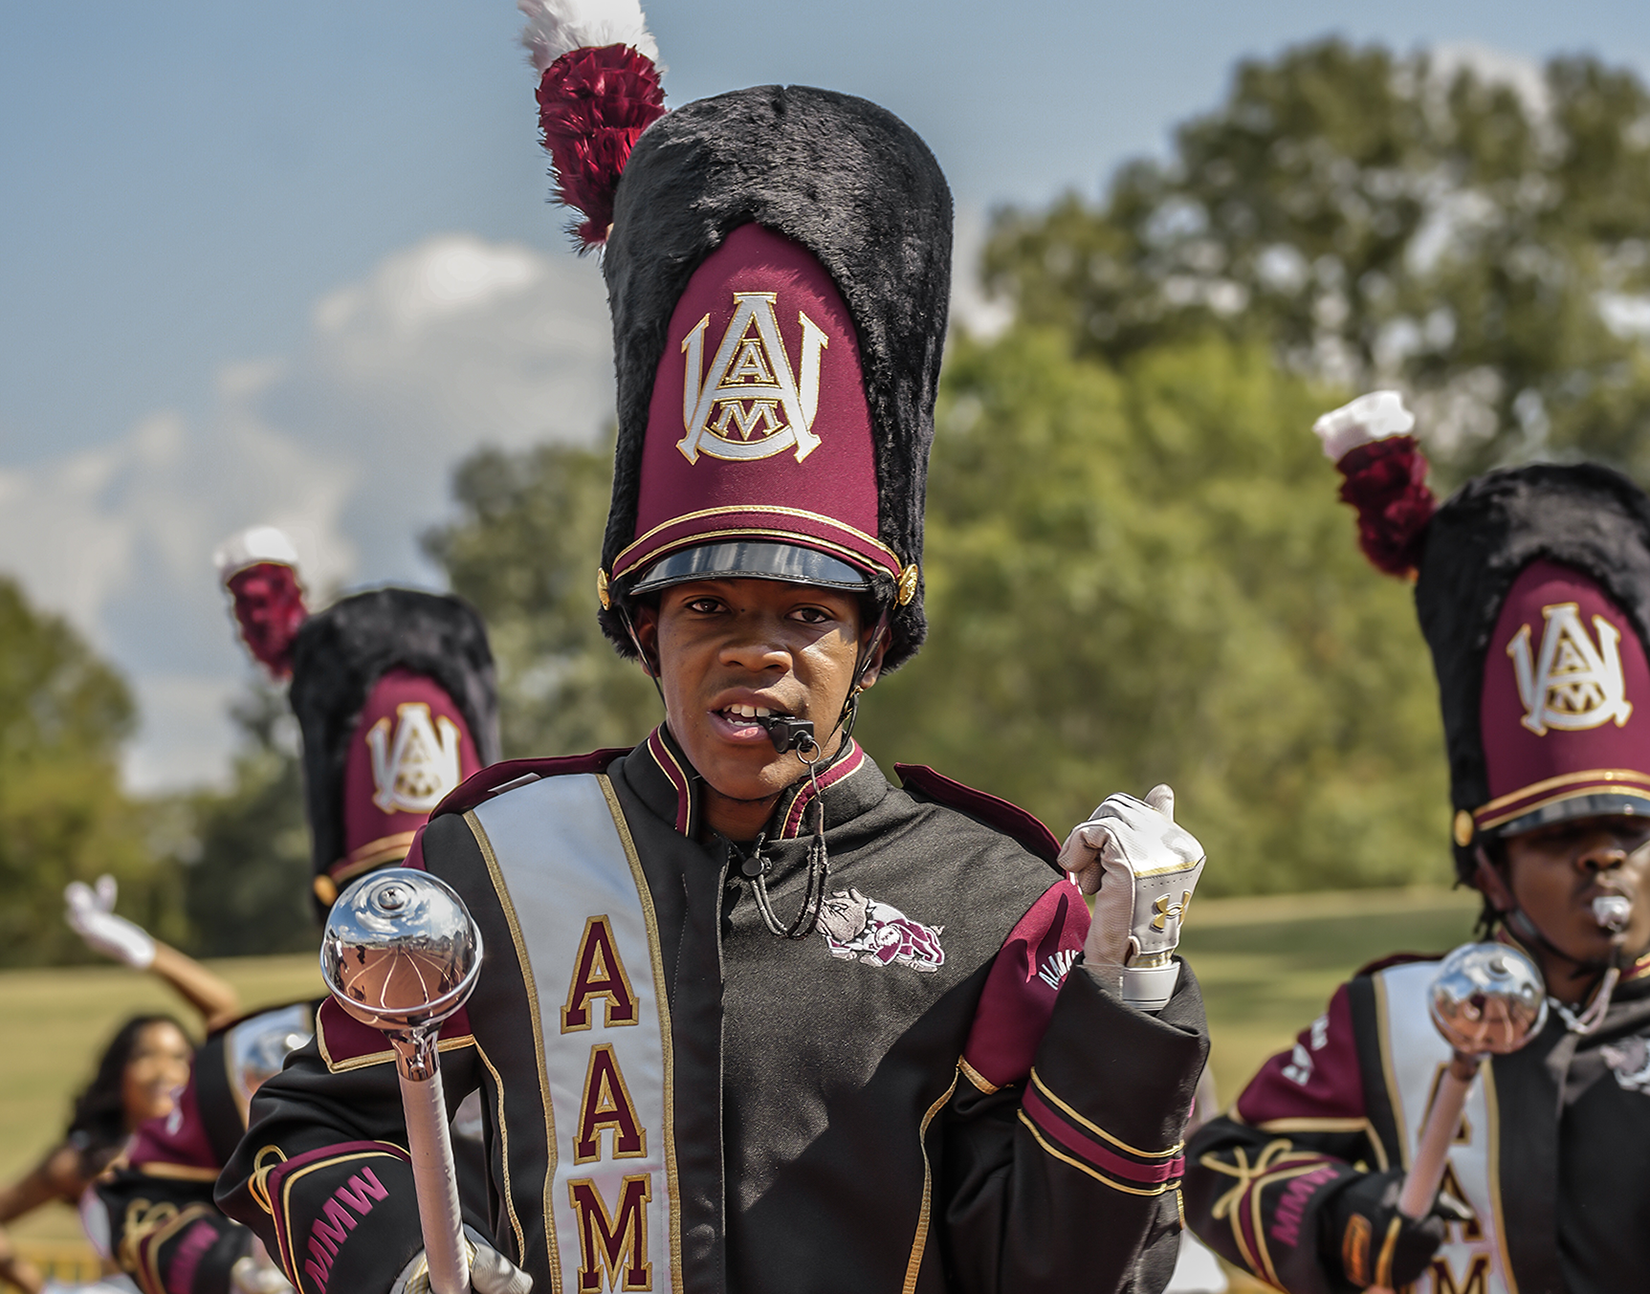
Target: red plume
<point>594,103</point>
<point>1386,481</point>
<point>269,608</point>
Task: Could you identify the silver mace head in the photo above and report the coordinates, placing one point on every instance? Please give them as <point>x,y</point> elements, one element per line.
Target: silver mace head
<point>401,953</point>
<point>1488,999</point>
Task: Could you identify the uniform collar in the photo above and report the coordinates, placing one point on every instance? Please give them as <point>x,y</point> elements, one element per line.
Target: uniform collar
<point>672,788</point>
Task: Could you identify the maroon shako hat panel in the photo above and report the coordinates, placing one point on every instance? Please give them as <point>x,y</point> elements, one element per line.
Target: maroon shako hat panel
<point>758,430</point>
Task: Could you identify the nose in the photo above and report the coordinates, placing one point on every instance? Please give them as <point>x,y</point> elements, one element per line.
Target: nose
<point>1602,852</point>
<point>757,645</point>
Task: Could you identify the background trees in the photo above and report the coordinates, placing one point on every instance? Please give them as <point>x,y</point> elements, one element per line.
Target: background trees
<point>1385,220</point>
<point>1140,572</point>
<point>63,816</point>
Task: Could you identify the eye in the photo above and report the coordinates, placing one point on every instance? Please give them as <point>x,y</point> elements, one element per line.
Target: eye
<point>811,615</point>
<point>705,605</point>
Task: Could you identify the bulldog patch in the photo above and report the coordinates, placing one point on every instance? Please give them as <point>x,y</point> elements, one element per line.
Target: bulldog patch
<point>878,934</point>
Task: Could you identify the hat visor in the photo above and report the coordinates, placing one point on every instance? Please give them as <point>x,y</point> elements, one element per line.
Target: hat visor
<point>753,561</point>
<point>1597,804</point>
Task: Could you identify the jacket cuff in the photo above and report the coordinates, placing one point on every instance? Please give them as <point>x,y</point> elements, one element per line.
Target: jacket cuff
<point>346,1217</point>
<point>1112,1087</point>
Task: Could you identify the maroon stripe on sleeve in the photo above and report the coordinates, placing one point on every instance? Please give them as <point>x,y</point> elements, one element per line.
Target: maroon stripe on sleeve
<point>1095,1152</point>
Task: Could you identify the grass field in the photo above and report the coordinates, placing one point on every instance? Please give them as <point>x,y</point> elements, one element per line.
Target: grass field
<point>1267,966</point>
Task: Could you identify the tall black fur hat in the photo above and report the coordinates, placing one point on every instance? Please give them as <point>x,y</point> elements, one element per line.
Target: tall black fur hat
<point>855,188</point>
<point>1532,585</point>
<point>395,695</point>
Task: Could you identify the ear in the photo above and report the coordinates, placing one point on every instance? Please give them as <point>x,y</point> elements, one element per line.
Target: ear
<point>644,624</point>
<point>1489,881</point>
<point>873,659</point>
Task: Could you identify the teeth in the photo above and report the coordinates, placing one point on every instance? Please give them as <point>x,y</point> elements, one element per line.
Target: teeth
<point>761,712</point>
<point>749,711</point>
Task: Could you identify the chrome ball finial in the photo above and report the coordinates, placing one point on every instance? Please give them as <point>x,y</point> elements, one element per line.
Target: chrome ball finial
<point>401,953</point>
<point>1488,999</point>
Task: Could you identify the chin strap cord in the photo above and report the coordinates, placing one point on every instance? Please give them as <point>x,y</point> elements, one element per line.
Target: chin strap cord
<point>755,867</point>
<point>1590,1019</point>
<point>1582,1022</point>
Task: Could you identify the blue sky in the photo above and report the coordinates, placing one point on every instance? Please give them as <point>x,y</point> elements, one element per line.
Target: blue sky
<point>293,262</point>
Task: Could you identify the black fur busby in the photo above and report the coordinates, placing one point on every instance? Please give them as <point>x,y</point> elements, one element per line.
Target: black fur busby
<point>343,651</point>
<point>1582,516</point>
<point>858,189</point>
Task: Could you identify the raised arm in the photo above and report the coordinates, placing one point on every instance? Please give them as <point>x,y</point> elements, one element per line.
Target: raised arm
<point>90,914</point>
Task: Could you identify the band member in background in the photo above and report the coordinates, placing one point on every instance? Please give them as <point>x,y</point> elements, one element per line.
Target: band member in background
<point>394,693</point>
<point>393,690</point>
<point>1533,590</point>
<point>750,1015</point>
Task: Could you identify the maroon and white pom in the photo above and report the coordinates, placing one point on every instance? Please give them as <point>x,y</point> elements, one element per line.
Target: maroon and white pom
<point>1385,477</point>
<point>598,91</point>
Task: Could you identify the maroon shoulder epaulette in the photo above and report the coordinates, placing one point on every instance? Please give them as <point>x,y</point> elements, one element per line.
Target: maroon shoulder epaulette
<point>510,773</point>
<point>1010,819</point>
<point>1395,959</point>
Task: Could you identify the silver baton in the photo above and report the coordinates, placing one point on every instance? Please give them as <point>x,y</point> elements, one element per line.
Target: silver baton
<point>1487,1000</point>
<point>401,953</point>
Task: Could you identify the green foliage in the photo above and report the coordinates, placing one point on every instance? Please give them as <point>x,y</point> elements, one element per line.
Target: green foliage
<point>1381,221</point>
<point>247,874</point>
<point>1142,575</point>
<point>63,817</point>
<point>524,552</point>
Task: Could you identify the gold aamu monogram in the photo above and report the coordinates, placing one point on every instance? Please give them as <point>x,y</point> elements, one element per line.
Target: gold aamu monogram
<point>752,404</point>
<point>1573,684</point>
<point>415,769</point>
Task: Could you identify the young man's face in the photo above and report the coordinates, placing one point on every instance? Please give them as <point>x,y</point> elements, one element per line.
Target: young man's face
<point>729,650</point>
<point>1554,874</point>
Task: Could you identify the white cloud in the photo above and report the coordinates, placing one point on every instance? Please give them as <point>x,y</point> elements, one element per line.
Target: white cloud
<point>347,444</point>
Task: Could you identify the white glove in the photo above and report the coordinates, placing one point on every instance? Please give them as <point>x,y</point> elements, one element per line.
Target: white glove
<point>255,1273</point>
<point>1145,869</point>
<point>490,1271</point>
<point>91,915</point>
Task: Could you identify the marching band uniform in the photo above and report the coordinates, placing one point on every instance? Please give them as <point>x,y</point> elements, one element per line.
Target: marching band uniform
<point>916,1090</point>
<point>1533,591</point>
<point>393,691</point>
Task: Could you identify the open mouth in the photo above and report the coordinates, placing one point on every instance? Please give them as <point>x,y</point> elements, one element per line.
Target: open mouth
<point>743,722</point>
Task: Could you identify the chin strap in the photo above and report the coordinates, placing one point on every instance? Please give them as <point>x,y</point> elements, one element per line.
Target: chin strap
<point>755,867</point>
<point>1588,1020</point>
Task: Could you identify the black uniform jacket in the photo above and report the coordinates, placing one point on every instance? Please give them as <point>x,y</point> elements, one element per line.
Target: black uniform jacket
<point>1551,1155</point>
<point>922,1095</point>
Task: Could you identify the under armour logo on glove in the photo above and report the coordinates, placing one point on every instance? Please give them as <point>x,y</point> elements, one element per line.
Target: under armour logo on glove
<point>1143,869</point>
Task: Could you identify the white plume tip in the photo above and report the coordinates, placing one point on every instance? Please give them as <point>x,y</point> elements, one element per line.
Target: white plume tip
<point>554,27</point>
<point>250,547</point>
<point>1371,417</point>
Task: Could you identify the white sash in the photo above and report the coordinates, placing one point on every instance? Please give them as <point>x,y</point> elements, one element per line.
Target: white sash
<point>574,895</point>
<point>1413,1056</point>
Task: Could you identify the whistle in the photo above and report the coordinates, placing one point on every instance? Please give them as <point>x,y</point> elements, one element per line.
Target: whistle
<point>787,733</point>
<point>1613,912</point>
